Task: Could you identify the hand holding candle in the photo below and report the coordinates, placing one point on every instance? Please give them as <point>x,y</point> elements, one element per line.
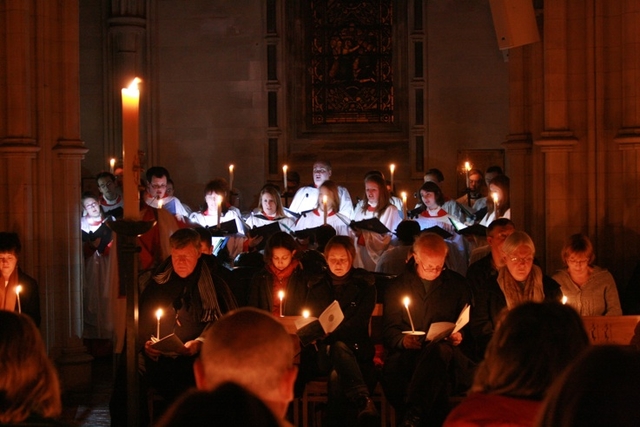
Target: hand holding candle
<point>406,305</point>
<point>281,296</point>
<point>18,290</point>
<point>284,173</point>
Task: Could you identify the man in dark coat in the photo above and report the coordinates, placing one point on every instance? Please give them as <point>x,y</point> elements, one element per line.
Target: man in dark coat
<point>419,375</point>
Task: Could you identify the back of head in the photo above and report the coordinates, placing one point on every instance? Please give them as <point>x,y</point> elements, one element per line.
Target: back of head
<point>249,347</point>
<point>599,389</point>
<point>10,242</point>
<point>407,231</point>
<point>229,405</point>
<point>534,343</point>
<point>430,243</point>
<point>28,381</point>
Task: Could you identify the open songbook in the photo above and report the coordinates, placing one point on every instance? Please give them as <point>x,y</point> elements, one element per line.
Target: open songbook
<point>311,329</point>
<point>468,230</point>
<point>371,224</point>
<point>170,345</point>
<point>441,330</point>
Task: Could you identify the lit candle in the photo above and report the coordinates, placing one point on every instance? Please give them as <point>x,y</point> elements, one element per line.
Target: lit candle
<point>130,146</point>
<point>404,204</point>
<point>284,173</point>
<point>281,296</point>
<point>406,305</point>
<point>219,209</point>
<point>231,178</point>
<point>467,168</point>
<point>158,316</point>
<point>494,196</point>
<point>18,290</point>
<point>159,203</point>
<point>324,208</point>
<point>564,299</point>
<point>112,165</point>
<point>305,314</point>
<point>392,169</point>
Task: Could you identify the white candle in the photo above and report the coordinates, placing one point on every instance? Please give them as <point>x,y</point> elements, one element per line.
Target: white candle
<point>281,296</point>
<point>18,290</point>
<point>406,305</point>
<point>404,204</point>
<point>284,173</point>
<point>392,169</point>
<point>324,208</point>
<point>494,196</point>
<point>130,145</point>
<point>158,316</point>
<point>112,165</point>
<point>219,209</point>
<point>467,168</point>
<point>159,203</point>
<point>230,179</point>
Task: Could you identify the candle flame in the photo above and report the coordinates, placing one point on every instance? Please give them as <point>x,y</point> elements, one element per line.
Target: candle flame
<point>160,203</point>
<point>564,299</point>
<point>112,162</point>
<point>134,84</point>
<point>467,166</point>
<point>324,199</point>
<point>494,196</point>
<point>18,289</point>
<point>284,168</point>
<point>404,197</point>
<point>281,295</point>
<point>230,168</point>
<point>392,167</point>
<point>305,314</point>
<point>159,313</point>
<point>406,301</point>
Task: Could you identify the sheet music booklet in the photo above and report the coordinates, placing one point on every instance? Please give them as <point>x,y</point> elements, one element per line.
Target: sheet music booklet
<point>311,329</point>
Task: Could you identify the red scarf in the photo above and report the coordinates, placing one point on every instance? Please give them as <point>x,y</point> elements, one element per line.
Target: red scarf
<point>280,280</point>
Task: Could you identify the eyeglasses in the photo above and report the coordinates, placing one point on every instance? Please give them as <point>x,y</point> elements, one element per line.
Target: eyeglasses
<point>320,170</point>
<point>158,186</point>
<point>518,260</point>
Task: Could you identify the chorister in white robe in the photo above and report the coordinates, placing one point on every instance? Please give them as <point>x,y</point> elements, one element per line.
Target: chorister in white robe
<point>370,246</point>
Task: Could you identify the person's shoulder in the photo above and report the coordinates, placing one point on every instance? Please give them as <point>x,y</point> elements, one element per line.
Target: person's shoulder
<point>364,277</point>
<point>560,275</point>
<point>601,273</point>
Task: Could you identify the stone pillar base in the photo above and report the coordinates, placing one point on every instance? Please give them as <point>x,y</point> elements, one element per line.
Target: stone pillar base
<point>74,366</point>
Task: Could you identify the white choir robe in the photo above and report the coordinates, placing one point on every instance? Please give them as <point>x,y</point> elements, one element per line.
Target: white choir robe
<point>306,199</point>
<point>375,244</point>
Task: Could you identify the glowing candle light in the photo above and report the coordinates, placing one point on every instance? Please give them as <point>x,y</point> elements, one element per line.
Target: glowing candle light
<point>284,173</point>
<point>406,305</point>
<point>231,178</point>
<point>219,209</point>
<point>112,165</point>
<point>305,314</point>
<point>392,169</point>
<point>467,168</point>
<point>130,146</point>
<point>324,208</point>
<point>158,316</point>
<point>160,203</point>
<point>281,296</point>
<point>494,196</point>
<point>18,290</point>
<point>404,204</point>
<point>564,299</point>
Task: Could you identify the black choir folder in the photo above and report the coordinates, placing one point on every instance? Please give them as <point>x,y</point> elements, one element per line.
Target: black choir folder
<point>227,227</point>
<point>371,224</point>
<point>441,330</point>
<point>170,345</point>
<point>311,329</point>
<point>265,231</point>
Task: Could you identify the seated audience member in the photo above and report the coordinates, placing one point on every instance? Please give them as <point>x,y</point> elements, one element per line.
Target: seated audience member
<point>419,376</point>
<point>218,211</point>
<point>27,300</point>
<point>600,388</point>
<point>270,211</point>
<point>394,260</point>
<point>192,298</point>
<point>306,197</point>
<point>110,198</point>
<point>589,289</point>
<point>371,245</point>
<point>534,343</point>
<point>489,301</point>
<point>156,195</point>
<point>316,217</point>
<point>252,349</point>
<point>346,354</point>
<point>475,197</point>
<point>449,205</point>
<point>29,387</point>
<point>502,208</point>
<point>229,405</point>
<point>283,272</point>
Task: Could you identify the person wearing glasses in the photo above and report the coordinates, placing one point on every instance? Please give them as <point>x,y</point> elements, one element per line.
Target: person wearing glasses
<point>157,182</point>
<point>589,289</point>
<point>25,299</point>
<point>306,197</point>
<point>419,375</point>
<point>110,197</point>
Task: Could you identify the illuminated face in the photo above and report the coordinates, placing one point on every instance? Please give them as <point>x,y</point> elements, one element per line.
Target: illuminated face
<point>520,262</point>
<point>429,199</point>
<point>321,173</point>
<point>281,258</point>
<point>212,202</point>
<point>184,260</point>
<point>268,203</point>
<point>158,187</point>
<point>373,192</point>
<point>475,182</point>
<point>8,262</point>
<point>429,264</point>
<point>495,189</point>
<point>339,261</point>
<point>578,264</point>
<point>108,188</point>
<point>92,207</point>
<point>325,192</point>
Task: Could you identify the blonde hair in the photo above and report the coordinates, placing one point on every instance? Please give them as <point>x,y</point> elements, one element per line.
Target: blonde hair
<point>515,240</point>
<point>29,383</point>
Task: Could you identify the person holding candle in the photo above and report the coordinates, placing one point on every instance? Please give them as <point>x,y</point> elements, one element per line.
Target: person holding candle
<point>474,197</point>
<point>157,182</point>
<point>589,289</point>
<point>418,376</point>
<point>306,197</point>
<point>502,208</point>
<point>13,276</point>
<point>284,272</point>
<point>326,212</point>
<point>110,198</point>
<point>217,211</point>
<point>192,298</point>
<point>371,245</point>
<point>348,350</point>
